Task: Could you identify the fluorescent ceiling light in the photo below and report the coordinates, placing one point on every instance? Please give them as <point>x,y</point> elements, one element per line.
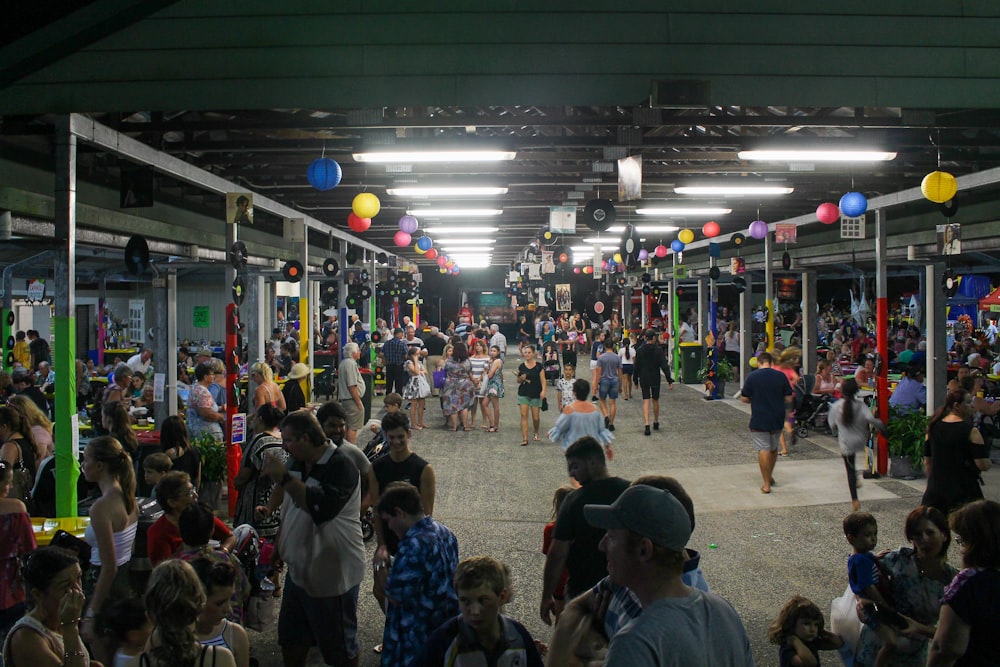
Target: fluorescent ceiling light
<point>454,212</point>
<point>446,191</point>
<point>462,229</point>
<point>469,241</point>
<point>475,264</point>
<point>465,249</point>
<point>590,248</point>
<point>681,210</point>
<point>734,190</point>
<point>642,229</point>
<point>818,155</point>
<point>434,156</point>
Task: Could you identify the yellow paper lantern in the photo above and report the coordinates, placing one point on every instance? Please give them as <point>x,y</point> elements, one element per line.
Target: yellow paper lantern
<point>618,258</point>
<point>939,186</point>
<point>753,362</point>
<point>366,205</point>
<point>685,236</point>
<point>417,248</point>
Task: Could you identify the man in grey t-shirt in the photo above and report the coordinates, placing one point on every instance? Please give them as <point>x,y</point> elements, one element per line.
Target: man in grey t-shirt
<point>647,530</point>
<point>610,366</point>
<point>333,419</point>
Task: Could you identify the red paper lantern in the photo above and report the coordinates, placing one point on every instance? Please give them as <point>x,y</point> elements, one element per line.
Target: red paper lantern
<point>711,229</point>
<point>431,254</point>
<point>357,223</point>
<point>828,213</point>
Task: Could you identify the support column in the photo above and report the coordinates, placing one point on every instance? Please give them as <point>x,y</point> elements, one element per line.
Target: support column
<point>64,351</point>
<point>746,328</point>
<point>164,345</point>
<point>934,324</point>
<point>809,331</point>
<point>305,319</point>
<point>234,427</point>
<point>704,318</point>
<point>881,337</point>
<point>172,343</point>
<point>769,290</point>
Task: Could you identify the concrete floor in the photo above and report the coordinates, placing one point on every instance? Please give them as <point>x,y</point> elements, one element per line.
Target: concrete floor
<point>757,550</point>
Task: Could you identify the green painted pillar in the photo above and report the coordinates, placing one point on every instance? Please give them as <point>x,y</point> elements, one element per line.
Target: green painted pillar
<point>67,439</point>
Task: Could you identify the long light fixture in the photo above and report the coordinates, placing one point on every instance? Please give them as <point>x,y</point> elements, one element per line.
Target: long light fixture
<point>590,248</point>
<point>434,156</point>
<point>461,229</point>
<point>464,249</point>
<point>644,229</point>
<point>454,212</point>
<point>683,210</point>
<point>734,190</point>
<point>446,191</point>
<point>817,155</point>
<point>468,241</point>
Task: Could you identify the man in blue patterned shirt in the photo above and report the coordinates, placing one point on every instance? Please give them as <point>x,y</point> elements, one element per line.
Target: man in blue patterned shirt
<point>394,350</point>
<point>420,593</point>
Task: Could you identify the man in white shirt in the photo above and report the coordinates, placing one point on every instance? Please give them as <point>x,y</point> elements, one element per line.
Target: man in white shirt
<point>140,363</point>
<point>499,340</point>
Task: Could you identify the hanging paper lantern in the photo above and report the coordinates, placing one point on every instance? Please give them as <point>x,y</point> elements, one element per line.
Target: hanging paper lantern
<point>827,213</point>
<point>431,254</point>
<point>685,236</point>
<point>442,270</point>
<point>576,270</point>
<point>402,239</point>
<point>588,269</point>
<point>643,254</point>
<point>939,186</point>
<point>753,362</point>
<point>618,258</point>
<point>711,229</point>
<point>417,249</point>
<point>449,264</point>
<point>677,245</point>
<point>604,264</point>
<point>324,174</point>
<point>442,260</point>
<point>425,243</point>
<point>366,205</point>
<point>357,223</point>
<point>853,204</point>
<point>457,270</point>
<point>408,224</point>
<point>758,229</point>
<point>660,251</point>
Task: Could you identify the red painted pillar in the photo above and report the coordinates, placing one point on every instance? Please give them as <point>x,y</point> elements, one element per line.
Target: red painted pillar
<point>234,450</point>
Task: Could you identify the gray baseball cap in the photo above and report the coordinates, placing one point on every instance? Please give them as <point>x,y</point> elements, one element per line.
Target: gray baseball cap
<point>647,511</point>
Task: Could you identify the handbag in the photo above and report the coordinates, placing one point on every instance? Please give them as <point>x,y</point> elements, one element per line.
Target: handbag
<point>439,377</point>
<point>545,404</point>
<point>70,541</point>
<point>260,611</point>
<point>23,481</point>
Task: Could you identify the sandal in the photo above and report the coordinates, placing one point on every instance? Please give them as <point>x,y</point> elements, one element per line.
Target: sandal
<point>537,439</point>
<point>524,443</point>
<point>491,429</point>
<point>466,428</point>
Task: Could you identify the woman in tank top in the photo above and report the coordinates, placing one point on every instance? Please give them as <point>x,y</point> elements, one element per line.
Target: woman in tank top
<point>212,627</point>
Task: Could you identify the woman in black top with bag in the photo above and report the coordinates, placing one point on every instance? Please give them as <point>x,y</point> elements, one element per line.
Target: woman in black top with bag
<point>954,455</point>
<point>530,392</point>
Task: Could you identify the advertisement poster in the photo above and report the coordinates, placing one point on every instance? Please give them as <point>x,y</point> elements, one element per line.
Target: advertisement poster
<point>564,298</point>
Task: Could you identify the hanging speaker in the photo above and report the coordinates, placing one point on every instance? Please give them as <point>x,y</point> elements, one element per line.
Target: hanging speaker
<point>599,214</point>
<point>786,261</point>
<point>646,289</point>
<point>292,271</point>
<point>382,258</point>
<point>239,290</point>
<point>136,255</point>
<point>330,267</point>
<point>10,358</point>
<point>238,255</point>
<point>136,187</point>
<point>714,273</point>
<point>949,283</point>
<point>10,318</point>
<point>10,342</point>
<point>351,256</point>
<point>740,283</point>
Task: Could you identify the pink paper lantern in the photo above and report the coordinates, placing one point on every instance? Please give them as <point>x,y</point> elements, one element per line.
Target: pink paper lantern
<point>660,251</point>
<point>402,239</point>
<point>758,229</point>
<point>711,229</point>
<point>828,213</point>
<point>576,270</point>
<point>442,260</point>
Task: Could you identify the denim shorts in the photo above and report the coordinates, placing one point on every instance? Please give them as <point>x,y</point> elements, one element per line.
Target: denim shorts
<point>608,388</point>
<point>330,623</point>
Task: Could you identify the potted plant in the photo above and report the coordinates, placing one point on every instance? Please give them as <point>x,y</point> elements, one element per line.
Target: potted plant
<point>906,433</point>
<point>723,374</point>
<point>213,469</point>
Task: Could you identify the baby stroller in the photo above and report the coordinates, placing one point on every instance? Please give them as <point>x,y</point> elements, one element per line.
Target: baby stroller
<point>550,362</point>
<point>376,448</point>
<point>810,409</point>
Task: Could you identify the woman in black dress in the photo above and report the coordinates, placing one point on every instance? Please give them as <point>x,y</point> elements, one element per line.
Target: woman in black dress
<point>954,454</point>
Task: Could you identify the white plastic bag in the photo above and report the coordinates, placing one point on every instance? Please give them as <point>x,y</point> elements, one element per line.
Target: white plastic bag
<point>844,621</point>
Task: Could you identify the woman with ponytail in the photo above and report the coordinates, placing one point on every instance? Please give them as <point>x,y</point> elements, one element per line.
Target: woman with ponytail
<point>851,421</point>
<point>174,599</point>
<point>111,533</point>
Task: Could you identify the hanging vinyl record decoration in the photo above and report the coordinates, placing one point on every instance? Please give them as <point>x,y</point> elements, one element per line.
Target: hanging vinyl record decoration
<point>738,240</point>
<point>239,290</point>
<point>740,283</point>
<point>629,247</point>
<point>351,256</point>
<point>599,214</point>
<point>331,267</point>
<point>292,270</point>
<point>949,283</point>
<point>136,255</point>
<point>786,261</point>
<point>365,292</point>
<point>714,273</point>
<point>238,255</point>
<point>949,208</point>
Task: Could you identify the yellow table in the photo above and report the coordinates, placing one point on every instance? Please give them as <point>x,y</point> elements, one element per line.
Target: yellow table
<point>46,528</point>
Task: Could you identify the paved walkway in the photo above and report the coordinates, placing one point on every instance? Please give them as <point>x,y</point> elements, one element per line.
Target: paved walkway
<point>757,550</point>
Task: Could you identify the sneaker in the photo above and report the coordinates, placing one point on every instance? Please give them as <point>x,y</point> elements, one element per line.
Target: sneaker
<point>656,426</point>
<point>607,421</point>
<point>593,399</point>
<point>611,427</point>
<point>646,432</point>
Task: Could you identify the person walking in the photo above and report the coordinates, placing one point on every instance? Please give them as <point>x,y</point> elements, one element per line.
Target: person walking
<point>650,361</point>
<point>770,398</point>
<point>610,366</point>
<point>394,351</point>
<point>852,421</point>
<point>530,392</point>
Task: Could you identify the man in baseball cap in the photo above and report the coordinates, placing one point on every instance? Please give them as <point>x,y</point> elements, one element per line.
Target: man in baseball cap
<point>647,530</point>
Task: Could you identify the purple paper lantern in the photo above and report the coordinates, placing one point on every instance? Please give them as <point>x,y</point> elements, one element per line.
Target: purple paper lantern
<point>643,254</point>
<point>408,224</point>
<point>758,229</point>
<point>853,204</point>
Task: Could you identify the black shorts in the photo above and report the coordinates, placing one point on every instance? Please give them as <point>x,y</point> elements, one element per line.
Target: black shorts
<point>650,390</point>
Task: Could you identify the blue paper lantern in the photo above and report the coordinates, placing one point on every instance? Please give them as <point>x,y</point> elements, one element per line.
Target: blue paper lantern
<point>677,245</point>
<point>853,204</point>
<point>425,243</point>
<point>324,174</point>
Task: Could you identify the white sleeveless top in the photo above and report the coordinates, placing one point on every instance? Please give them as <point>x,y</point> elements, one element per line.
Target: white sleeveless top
<point>124,539</point>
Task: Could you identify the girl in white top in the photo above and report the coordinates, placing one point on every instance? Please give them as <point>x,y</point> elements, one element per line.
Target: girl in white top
<point>627,354</point>
<point>851,420</point>
<point>212,627</point>
<point>111,533</point>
